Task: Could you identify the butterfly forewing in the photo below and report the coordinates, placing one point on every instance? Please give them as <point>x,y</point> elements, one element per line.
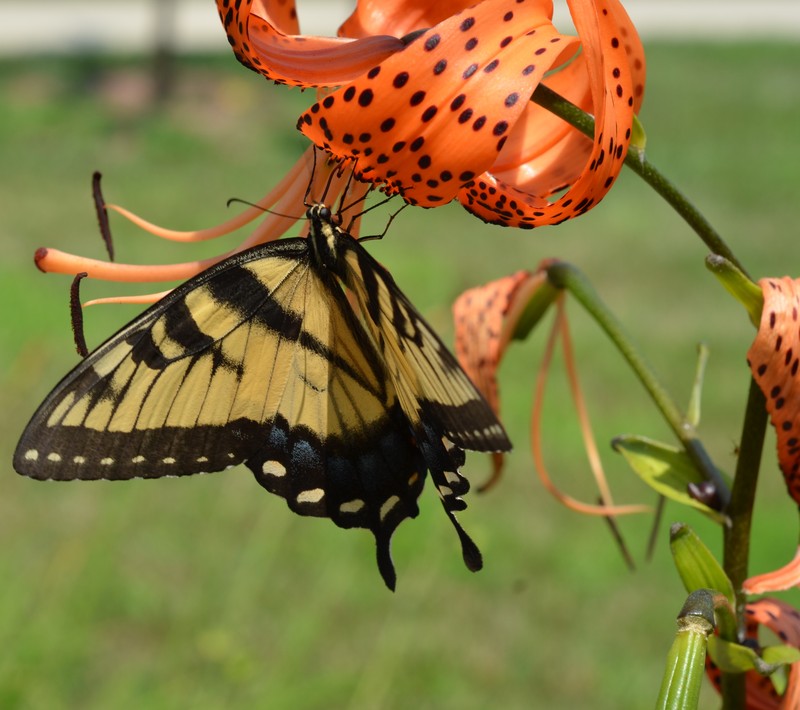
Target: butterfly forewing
<point>172,393</point>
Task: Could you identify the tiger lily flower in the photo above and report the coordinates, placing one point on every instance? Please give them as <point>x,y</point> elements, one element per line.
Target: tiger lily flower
<point>433,98</point>
<point>774,359</point>
<point>487,318</point>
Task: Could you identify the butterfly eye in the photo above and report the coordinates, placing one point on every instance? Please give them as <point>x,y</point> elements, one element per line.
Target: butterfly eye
<point>325,213</point>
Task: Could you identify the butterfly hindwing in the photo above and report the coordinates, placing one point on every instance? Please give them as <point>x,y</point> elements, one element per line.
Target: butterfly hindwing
<point>430,383</point>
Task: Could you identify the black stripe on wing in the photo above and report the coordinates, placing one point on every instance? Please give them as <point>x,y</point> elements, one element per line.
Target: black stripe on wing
<point>445,395</point>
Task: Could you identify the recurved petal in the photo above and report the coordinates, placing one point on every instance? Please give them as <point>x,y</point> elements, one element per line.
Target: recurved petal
<point>264,38</point>
<point>774,358</point>
<point>398,17</point>
<point>612,88</point>
<point>485,319</point>
<point>438,113</point>
<point>778,580</point>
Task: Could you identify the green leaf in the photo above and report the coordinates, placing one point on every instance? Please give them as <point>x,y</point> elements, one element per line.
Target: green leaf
<point>738,285</point>
<point>780,655</point>
<point>693,411</point>
<point>638,139</point>
<point>735,658</point>
<point>666,469</point>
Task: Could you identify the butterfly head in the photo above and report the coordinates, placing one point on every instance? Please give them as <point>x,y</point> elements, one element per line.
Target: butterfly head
<point>323,235</point>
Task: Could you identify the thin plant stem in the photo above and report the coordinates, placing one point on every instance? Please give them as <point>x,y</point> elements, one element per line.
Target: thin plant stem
<point>736,548</point>
<point>566,276</point>
<point>638,162</point>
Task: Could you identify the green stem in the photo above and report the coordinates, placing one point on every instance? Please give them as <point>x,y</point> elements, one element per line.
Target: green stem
<point>637,161</point>
<point>740,510</point>
<point>566,276</point>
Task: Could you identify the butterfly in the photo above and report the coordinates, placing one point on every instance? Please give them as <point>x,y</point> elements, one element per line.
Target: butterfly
<point>300,358</point>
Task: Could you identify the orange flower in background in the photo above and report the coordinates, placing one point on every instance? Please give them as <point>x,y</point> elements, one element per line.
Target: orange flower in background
<point>487,318</point>
<point>433,98</point>
<point>784,621</point>
<point>774,359</point>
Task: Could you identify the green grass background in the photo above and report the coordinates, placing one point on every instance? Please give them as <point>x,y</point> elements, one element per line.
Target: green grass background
<point>208,592</point>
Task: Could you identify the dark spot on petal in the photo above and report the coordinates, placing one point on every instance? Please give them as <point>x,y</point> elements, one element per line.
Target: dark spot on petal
<point>429,113</point>
<point>400,80</point>
<point>432,42</point>
<point>365,97</point>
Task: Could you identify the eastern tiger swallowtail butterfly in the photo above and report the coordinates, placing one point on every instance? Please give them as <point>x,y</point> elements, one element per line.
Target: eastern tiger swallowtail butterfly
<point>339,405</point>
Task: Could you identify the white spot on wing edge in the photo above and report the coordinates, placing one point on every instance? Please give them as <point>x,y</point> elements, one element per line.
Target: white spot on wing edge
<point>138,459</point>
<point>168,460</point>
<point>452,477</point>
<point>273,468</point>
<point>313,495</point>
<point>202,459</point>
<point>54,457</point>
<point>31,455</point>
<point>79,459</point>
<point>388,505</point>
<point>351,506</point>
<point>107,461</point>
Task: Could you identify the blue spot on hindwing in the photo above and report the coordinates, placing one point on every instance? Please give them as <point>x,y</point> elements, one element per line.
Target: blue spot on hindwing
<point>304,458</point>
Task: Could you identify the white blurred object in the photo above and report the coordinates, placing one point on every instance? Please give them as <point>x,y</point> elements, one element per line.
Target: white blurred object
<point>128,26</point>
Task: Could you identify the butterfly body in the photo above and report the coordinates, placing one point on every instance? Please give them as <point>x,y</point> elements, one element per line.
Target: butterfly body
<point>262,360</point>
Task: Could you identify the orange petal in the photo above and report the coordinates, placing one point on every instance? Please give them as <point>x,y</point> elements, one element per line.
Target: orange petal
<point>485,318</point>
<point>774,358</point>
<point>613,61</point>
<point>786,577</point>
<point>438,113</point>
<point>398,17</point>
<point>297,60</point>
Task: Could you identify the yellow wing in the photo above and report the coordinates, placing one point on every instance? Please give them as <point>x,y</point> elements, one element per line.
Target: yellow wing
<point>430,383</point>
<point>258,360</point>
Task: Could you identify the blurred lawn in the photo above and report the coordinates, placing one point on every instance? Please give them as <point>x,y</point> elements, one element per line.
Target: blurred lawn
<point>209,593</point>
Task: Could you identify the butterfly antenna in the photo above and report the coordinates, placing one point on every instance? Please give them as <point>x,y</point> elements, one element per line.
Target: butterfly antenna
<point>232,200</point>
<point>76,313</point>
<point>102,214</point>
